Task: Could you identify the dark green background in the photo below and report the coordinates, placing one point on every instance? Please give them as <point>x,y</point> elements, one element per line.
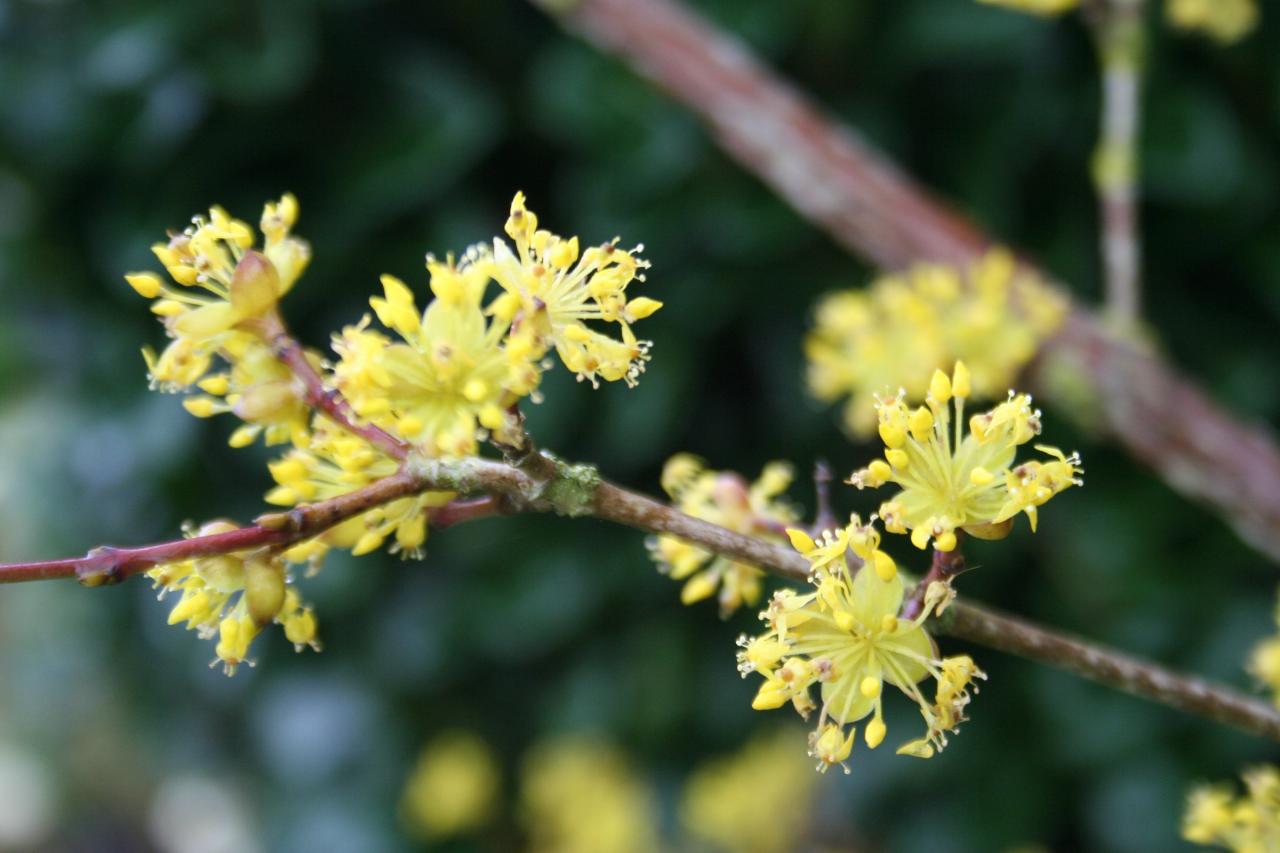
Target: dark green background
<point>405,128</point>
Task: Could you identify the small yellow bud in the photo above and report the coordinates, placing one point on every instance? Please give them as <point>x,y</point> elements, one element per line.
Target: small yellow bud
<point>800,540</point>
<point>772,694</point>
<point>897,458</point>
<point>147,284</point>
<point>201,407</point>
<point>167,308</point>
<point>870,687</point>
<point>921,423</point>
<point>244,435</point>
<point>255,285</point>
<point>217,385</point>
<point>698,587</point>
<point>875,732</point>
<point>980,476</point>
<point>641,307</point>
<point>893,435</point>
<point>885,567</point>
<point>945,541</point>
<point>889,623</point>
<point>492,417</point>
<point>370,541</point>
<point>263,590</point>
<point>939,387</point>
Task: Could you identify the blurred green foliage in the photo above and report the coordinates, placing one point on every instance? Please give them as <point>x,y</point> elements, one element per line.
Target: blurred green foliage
<point>405,128</point>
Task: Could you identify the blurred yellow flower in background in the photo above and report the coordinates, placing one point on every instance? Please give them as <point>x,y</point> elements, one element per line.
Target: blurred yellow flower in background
<point>756,800</point>
<point>454,788</point>
<point>892,335</point>
<point>579,795</point>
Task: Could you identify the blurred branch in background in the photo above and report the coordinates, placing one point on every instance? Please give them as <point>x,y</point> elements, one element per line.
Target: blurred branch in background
<point>577,490</point>
<point>1118,32</point>
<point>863,202</point>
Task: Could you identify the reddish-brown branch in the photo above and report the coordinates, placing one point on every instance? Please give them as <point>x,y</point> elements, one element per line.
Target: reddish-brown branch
<point>1113,668</point>
<point>868,206</point>
<point>575,491</point>
<point>944,566</point>
<point>110,565</point>
<point>322,397</point>
<point>472,509</point>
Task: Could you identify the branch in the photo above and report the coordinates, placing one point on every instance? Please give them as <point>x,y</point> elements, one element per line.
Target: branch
<point>1119,34</point>
<point>577,490</point>
<point>279,529</point>
<point>869,207</point>
<point>320,396</point>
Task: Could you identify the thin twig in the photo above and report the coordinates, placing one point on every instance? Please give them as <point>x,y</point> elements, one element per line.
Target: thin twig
<point>868,206</point>
<point>1118,30</point>
<point>576,491</point>
<point>111,565</point>
<point>824,517</point>
<point>319,395</point>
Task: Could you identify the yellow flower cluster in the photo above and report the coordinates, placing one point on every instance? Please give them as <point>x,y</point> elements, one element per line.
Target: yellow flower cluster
<point>447,377</point>
<point>464,363</point>
<point>578,795</point>
<point>955,481</point>
<point>221,290</point>
<point>846,638</point>
<point>232,597</point>
<point>454,787</point>
<point>874,341</point>
<point>723,498</point>
<point>335,463</point>
<point>1224,21</point>
<point>758,800</point>
<point>1247,824</point>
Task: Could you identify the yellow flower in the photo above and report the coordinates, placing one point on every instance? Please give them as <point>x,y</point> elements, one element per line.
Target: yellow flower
<point>1036,7</point>
<point>723,498</point>
<point>222,280</point>
<point>335,463</point>
<point>758,800</point>
<point>221,287</point>
<point>454,787</point>
<point>452,376</point>
<point>846,637</point>
<point>257,388</point>
<point>580,796</point>
<point>955,481</point>
<point>1224,21</point>
<point>868,343</point>
<point>232,597</point>
<point>1247,824</point>
<point>551,292</point>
